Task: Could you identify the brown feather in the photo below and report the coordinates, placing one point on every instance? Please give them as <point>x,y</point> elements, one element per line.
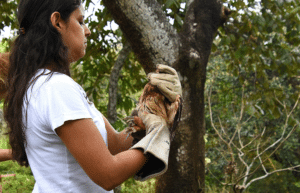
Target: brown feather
<point>153,101</point>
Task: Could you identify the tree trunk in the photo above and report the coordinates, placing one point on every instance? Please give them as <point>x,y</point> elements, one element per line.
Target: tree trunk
<point>147,29</point>
<point>201,22</point>
<point>155,41</point>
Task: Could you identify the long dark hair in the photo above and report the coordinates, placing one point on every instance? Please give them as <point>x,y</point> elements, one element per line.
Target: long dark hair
<point>38,45</point>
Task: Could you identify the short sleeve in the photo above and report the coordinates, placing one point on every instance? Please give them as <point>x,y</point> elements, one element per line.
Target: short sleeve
<point>60,99</point>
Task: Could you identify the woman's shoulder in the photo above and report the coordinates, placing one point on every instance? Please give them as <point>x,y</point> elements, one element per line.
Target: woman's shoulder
<point>46,81</point>
<point>45,76</point>
<point>53,77</point>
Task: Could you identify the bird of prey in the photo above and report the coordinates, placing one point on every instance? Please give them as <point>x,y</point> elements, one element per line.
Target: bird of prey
<point>153,101</point>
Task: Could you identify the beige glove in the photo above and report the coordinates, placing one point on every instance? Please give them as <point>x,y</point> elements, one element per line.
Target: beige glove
<point>167,81</point>
<point>156,145</point>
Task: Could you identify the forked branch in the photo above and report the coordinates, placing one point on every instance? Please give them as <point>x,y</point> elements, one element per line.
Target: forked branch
<point>262,153</point>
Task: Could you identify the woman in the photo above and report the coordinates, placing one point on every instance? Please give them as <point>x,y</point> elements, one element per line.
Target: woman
<point>68,144</point>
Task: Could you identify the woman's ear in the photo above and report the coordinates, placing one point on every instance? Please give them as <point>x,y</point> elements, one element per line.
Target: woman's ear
<point>56,20</point>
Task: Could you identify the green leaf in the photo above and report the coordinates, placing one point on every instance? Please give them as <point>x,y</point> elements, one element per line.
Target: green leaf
<point>297,184</point>
<point>169,3</point>
<point>295,11</point>
<point>178,20</point>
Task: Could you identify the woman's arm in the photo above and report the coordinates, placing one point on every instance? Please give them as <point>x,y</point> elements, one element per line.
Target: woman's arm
<point>5,154</point>
<point>117,141</point>
<point>86,144</point>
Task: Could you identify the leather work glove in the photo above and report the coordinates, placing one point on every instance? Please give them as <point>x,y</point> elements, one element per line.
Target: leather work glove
<point>155,145</point>
<point>167,81</point>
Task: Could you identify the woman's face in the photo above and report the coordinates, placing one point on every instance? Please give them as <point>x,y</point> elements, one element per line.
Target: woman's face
<point>74,34</point>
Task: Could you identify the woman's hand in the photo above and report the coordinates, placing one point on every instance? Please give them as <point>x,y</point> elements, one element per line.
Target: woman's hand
<point>5,155</point>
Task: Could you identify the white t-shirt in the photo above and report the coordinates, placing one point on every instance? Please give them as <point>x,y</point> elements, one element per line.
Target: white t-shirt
<point>52,102</point>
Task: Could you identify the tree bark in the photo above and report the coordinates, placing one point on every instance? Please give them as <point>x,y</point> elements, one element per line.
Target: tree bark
<point>202,19</point>
<point>155,41</point>
<point>146,27</point>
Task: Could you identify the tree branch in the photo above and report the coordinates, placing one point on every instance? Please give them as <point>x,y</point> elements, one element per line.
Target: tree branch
<point>267,174</point>
<point>281,140</point>
<point>276,144</point>
<point>113,84</point>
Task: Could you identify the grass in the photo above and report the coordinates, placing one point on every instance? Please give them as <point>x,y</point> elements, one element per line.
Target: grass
<point>23,182</point>
<point>132,186</point>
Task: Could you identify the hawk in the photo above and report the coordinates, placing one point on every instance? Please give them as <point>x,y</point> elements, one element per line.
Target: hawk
<point>153,101</point>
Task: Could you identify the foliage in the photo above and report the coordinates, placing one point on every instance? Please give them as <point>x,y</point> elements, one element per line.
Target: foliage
<point>7,9</point>
<point>3,47</point>
<point>261,46</point>
<point>132,186</point>
<point>255,63</point>
<point>175,10</point>
<point>8,18</point>
<point>228,105</point>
